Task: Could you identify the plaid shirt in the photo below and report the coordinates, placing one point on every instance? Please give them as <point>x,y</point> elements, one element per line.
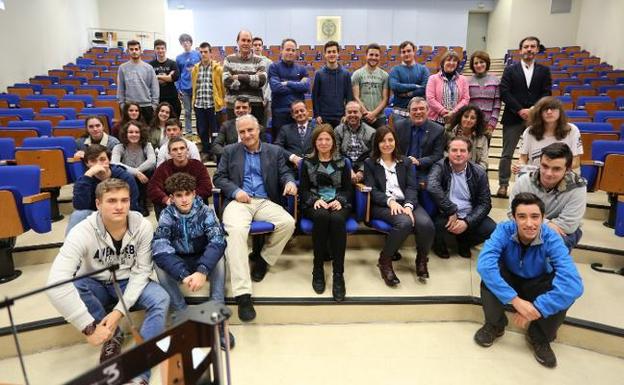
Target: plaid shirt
<point>355,148</point>
<point>203,97</point>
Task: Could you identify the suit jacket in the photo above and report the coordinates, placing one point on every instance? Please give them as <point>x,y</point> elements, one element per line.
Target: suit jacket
<point>231,170</point>
<point>375,177</point>
<point>432,144</point>
<point>290,140</point>
<point>516,95</point>
<point>229,135</point>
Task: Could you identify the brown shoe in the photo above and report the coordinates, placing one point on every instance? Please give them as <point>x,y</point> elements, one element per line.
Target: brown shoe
<point>502,192</point>
<point>386,271</point>
<point>421,267</point>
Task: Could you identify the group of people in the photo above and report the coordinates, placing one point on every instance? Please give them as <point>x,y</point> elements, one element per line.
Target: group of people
<point>321,155</point>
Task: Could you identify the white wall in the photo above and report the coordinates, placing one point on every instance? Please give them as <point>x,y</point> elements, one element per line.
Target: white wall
<point>498,29</point>
<point>37,35</point>
<point>601,30</point>
<point>134,15</point>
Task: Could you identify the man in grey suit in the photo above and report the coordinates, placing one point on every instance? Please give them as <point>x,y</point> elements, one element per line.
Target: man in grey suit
<point>296,138</point>
<point>227,133</point>
<point>421,139</point>
<point>250,175</point>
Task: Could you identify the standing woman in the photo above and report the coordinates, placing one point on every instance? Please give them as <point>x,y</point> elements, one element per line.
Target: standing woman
<point>484,90</point>
<point>164,111</point>
<point>130,111</point>
<point>94,134</point>
<point>469,122</point>
<point>326,194</point>
<point>447,91</point>
<point>136,153</point>
<point>394,199</point>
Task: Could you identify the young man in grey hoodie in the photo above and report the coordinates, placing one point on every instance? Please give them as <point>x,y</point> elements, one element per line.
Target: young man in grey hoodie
<point>563,192</point>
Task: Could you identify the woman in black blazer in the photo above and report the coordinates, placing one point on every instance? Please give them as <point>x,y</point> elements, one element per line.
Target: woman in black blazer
<point>394,197</point>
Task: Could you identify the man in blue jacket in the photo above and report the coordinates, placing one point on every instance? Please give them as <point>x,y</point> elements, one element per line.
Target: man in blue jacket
<point>407,80</point>
<point>526,264</point>
<point>332,88</point>
<point>97,160</point>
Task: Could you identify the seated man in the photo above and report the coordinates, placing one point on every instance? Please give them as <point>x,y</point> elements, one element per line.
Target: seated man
<point>461,192</point>
<point>97,160</point>
<point>563,192</point>
<point>526,264</point>
<point>249,175</point>
<point>188,244</point>
<point>354,140</point>
<point>112,235</point>
<point>227,132</point>
<point>421,139</point>
<point>296,138</point>
<point>174,130</point>
<point>179,162</point>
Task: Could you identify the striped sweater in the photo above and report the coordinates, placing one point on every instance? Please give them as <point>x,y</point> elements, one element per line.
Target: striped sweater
<point>486,97</point>
<point>251,74</point>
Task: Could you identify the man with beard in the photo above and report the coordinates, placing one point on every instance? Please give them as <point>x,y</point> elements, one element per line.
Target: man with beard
<point>370,88</point>
<point>354,140</point>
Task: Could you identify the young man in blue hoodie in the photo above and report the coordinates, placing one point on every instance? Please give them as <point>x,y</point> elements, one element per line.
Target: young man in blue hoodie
<point>526,264</point>
<point>188,244</point>
<point>332,88</point>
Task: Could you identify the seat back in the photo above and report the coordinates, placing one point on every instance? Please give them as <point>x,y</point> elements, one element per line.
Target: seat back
<point>75,133</point>
<point>4,120</point>
<point>612,174</point>
<point>589,137</point>
<point>23,113</point>
<point>12,223</point>
<point>69,113</point>
<point>7,149</point>
<point>43,126</point>
<point>18,134</point>
<point>51,162</point>
<point>54,119</point>
<point>72,123</point>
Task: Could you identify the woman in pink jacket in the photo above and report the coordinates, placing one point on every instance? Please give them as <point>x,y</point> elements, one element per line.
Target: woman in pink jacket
<point>447,90</point>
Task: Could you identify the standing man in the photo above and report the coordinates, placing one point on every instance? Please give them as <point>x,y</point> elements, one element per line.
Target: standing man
<point>167,74</point>
<point>186,61</point>
<point>296,138</point>
<point>526,265</point>
<point>112,235</point>
<point>354,140</point>
<point>289,82</point>
<point>332,88</point>
<point>208,97</point>
<point>521,86</point>
<point>407,80</point>
<point>244,74</point>
<point>137,82</point>
<point>370,88</point>
<point>258,50</point>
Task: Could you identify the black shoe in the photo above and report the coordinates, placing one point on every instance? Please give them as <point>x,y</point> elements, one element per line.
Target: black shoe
<point>396,257</point>
<point>318,281</point>
<point>246,311</point>
<point>338,287</point>
<point>486,335</point>
<point>112,347</point>
<point>259,270</point>
<point>441,251</point>
<point>253,256</point>
<point>542,352</point>
<point>222,337</point>
<point>464,252</point>
<point>145,212</point>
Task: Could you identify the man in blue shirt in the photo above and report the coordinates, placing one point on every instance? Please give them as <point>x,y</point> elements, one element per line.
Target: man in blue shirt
<point>407,80</point>
<point>186,61</point>
<point>526,264</point>
<point>332,88</point>
<point>253,178</point>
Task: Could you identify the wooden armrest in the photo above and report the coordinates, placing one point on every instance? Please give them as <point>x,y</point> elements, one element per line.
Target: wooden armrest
<point>592,162</point>
<point>74,159</point>
<point>363,188</point>
<point>36,198</point>
<point>8,162</point>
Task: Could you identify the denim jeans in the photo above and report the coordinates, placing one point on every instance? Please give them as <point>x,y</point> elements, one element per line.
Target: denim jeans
<point>76,217</point>
<point>187,100</point>
<point>207,125</point>
<point>572,239</point>
<point>98,296</point>
<point>172,286</point>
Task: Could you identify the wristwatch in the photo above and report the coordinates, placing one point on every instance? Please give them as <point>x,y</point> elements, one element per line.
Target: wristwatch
<point>89,329</point>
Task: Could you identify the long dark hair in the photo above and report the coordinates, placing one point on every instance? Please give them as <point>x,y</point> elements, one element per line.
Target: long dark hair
<point>479,128</point>
<point>154,124</point>
<point>125,118</point>
<point>321,128</point>
<point>537,129</point>
<point>96,117</point>
<point>379,137</point>
<point>123,132</point>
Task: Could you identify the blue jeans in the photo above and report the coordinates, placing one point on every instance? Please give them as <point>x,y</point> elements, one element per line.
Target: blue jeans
<point>206,126</point>
<point>187,101</point>
<point>572,239</point>
<point>171,285</point>
<point>98,296</point>
<point>76,217</point>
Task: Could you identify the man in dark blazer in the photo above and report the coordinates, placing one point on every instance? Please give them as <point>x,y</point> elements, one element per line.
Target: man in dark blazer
<point>421,139</point>
<point>521,86</point>
<point>296,138</point>
<point>227,133</point>
<point>250,175</point>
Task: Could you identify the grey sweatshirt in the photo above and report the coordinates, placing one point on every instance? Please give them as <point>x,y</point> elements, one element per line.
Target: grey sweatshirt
<point>565,204</point>
<point>137,83</point>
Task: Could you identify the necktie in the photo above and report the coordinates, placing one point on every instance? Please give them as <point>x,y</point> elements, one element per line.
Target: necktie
<point>302,131</point>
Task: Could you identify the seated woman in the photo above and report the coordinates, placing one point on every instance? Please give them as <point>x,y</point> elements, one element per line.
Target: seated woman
<point>94,134</point>
<point>326,194</point>
<point>394,199</point>
<point>130,111</point>
<point>136,153</point>
<point>157,136</point>
<point>447,91</point>
<point>484,90</point>
<point>549,124</point>
<point>469,121</point>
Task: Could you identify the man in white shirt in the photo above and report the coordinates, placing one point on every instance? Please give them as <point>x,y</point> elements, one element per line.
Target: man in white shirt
<point>173,130</point>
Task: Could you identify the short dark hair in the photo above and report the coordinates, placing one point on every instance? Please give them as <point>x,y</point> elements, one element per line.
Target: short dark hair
<point>287,40</point>
<point>295,102</point>
<point>159,42</point>
<point>133,42</point>
<point>529,38</point>
<point>93,152</point>
<point>480,55</point>
<point>526,198</point>
<point>242,99</point>
<point>205,45</point>
<point>173,122</point>
<point>459,138</point>
<point>330,44</point>
<point>175,140</point>
<point>180,181</point>
<point>558,150</point>
<point>185,37</point>
<point>479,128</point>
<point>373,46</point>
<point>405,44</point>
<point>379,137</point>
<point>256,38</point>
